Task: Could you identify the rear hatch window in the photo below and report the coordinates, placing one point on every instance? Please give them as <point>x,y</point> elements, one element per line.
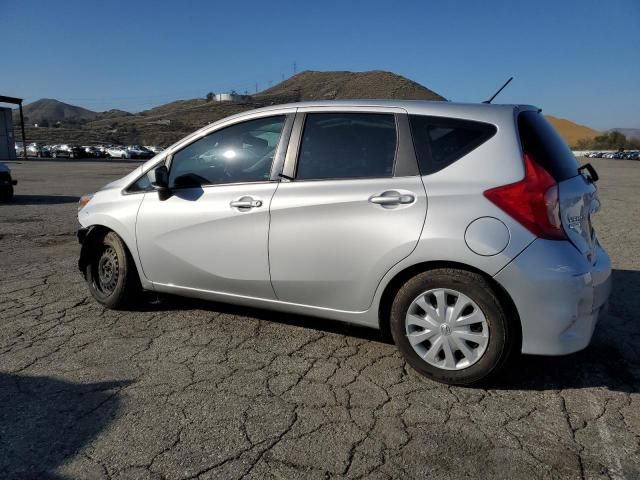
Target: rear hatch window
<point>543,143</point>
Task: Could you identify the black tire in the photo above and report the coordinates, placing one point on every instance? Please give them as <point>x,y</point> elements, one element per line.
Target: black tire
<point>502,334</point>
<point>111,273</point>
<point>6,195</point>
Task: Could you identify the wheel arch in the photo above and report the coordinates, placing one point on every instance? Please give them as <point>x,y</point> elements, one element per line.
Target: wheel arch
<point>394,285</point>
<point>89,238</point>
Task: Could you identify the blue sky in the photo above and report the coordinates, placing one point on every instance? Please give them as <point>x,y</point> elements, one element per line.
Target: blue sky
<point>575,59</point>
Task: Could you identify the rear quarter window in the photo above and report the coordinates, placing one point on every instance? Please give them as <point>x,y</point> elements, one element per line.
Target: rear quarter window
<point>440,142</point>
<point>540,140</point>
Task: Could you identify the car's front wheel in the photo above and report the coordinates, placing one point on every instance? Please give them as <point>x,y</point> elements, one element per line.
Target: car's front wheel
<point>111,273</point>
<point>451,327</point>
<point>6,194</point>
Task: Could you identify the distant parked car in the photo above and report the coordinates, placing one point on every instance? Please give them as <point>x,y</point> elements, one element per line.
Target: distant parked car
<point>6,183</point>
<point>19,149</point>
<point>102,150</point>
<point>136,151</point>
<point>46,151</point>
<point>116,152</point>
<point>34,150</point>
<point>91,152</point>
<point>154,148</point>
<point>67,151</point>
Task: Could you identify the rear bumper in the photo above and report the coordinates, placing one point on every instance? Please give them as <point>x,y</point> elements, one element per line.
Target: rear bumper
<point>559,295</point>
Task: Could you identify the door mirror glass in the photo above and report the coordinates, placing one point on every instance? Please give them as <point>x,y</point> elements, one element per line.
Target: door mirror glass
<point>159,177</point>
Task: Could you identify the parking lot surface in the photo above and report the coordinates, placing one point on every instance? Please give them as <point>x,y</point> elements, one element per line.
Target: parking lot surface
<point>186,389</point>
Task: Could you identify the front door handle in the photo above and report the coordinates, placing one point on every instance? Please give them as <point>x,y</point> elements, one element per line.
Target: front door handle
<point>246,203</point>
<point>392,198</point>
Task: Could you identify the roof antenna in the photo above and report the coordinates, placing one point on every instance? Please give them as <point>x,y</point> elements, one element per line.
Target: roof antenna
<point>501,88</point>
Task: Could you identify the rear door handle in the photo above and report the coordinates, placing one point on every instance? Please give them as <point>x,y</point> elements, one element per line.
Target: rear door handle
<point>246,202</point>
<point>392,198</point>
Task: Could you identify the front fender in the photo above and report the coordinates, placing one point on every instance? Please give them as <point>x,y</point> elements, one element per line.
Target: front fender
<point>88,238</point>
<point>110,210</point>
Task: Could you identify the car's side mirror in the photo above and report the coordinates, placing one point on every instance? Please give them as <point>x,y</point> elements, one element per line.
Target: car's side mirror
<point>159,179</point>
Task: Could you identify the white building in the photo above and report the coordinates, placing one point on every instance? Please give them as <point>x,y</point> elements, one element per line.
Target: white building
<point>231,97</point>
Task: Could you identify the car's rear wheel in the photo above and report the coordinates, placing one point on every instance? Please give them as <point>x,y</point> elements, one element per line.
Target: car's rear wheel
<point>111,273</point>
<point>451,327</point>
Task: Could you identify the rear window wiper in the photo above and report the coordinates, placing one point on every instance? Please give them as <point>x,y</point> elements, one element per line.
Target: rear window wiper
<point>593,175</point>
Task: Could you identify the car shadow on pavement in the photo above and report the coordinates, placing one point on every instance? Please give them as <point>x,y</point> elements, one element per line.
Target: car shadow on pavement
<point>45,422</point>
<point>172,303</point>
<point>44,199</point>
<point>611,361</point>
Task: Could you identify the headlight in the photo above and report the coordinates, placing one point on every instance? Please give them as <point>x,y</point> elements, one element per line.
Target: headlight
<point>84,200</point>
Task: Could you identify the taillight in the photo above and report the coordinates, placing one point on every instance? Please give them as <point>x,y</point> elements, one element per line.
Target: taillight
<point>533,201</point>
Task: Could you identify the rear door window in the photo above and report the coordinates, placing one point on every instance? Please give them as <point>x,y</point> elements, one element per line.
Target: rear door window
<point>440,142</point>
<point>548,149</point>
<point>347,145</point>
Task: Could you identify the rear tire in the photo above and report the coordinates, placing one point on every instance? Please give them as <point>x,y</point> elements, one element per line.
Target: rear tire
<point>111,274</point>
<point>445,360</point>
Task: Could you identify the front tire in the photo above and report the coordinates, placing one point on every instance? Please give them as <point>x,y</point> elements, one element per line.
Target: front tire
<point>451,327</point>
<point>111,273</point>
<point>6,195</point>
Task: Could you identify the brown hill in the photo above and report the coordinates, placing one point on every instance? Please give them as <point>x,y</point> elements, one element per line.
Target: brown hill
<point>571,132</point>
<point>167,123</point>
<point>54,111</point>
<point>310,85</point>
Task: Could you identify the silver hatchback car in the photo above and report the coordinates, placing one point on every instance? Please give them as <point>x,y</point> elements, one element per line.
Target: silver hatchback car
<point>462,230</point>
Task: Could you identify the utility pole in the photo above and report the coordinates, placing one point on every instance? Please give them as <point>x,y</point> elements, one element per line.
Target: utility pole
<point>295,67</point>
<point>256,87</point>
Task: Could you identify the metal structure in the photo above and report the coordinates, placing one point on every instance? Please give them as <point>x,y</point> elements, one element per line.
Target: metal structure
<point>18,101</point>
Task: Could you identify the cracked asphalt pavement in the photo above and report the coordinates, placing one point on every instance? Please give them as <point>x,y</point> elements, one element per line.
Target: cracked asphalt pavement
<point>185,389</point>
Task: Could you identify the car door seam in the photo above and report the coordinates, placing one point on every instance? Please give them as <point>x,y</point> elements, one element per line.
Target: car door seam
<point>275,294</point>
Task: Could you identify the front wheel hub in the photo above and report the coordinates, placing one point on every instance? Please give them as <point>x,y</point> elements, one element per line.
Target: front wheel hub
<point>108,271</point>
